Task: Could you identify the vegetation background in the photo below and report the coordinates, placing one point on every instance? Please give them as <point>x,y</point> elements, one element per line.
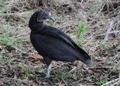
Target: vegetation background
<point>93,24</point>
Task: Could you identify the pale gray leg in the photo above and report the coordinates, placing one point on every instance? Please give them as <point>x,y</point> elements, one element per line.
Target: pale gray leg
<point>49,70</point>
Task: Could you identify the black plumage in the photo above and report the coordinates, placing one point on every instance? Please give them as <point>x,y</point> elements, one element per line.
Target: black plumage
<point>52,43</point>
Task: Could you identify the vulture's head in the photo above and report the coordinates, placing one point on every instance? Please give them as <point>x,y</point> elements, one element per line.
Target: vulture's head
<point>43,15</point>
<point>39,17</point>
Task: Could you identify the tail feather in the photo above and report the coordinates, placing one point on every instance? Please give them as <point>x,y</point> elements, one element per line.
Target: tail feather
<point>82,55</point>
<point>87,62</point>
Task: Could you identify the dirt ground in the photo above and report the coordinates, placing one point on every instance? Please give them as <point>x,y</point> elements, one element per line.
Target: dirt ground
<point>101,39</point>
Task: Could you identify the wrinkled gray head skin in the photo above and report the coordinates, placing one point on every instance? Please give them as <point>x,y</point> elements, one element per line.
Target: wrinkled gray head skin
<point>43,15</point>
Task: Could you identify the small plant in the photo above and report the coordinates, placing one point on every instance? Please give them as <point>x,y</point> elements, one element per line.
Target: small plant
<point>27,72</point>
<point>79,73</point>
<point>6,37</point>
<point>80,32</point>
<point>73,75</point>
<point>59,19</point>
<point>93,9</point>
<point>9,41</point>
<point>96,53</point>
<point>6,60</point>
<point>17,41</point>
<point>110,60</point>
<point>14,64</point>
<point>101,45</point>
<point>101,82</point>
<point>65,75</point>
<point>89,78</point>
<point>6,40</point>
<point>3,10</point>
<point>109,46</point>
<point>106,46</point>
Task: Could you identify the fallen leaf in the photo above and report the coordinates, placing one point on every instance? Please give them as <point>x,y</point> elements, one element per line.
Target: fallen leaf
<point>36,56</point>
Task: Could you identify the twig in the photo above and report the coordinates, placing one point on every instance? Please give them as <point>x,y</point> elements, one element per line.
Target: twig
<point>116,83</point>
<point>112,81</point>
<point>21,51</point>
<point>108,31</point>
<point>96,14</point>
<point>72,70</point>
<point>64,82</point>
<point>76,82</point>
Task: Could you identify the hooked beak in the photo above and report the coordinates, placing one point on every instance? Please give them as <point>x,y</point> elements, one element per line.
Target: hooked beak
<point>50,17</point>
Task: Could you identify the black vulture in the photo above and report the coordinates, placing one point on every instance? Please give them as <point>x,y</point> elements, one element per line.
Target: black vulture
<point>52,43</point>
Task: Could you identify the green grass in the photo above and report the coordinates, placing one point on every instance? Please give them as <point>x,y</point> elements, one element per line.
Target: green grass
<point>66,75</point>
<point>101,82</point>
<point>105,46</point>
<point>9,41</point>
<point>63,75</point>
<point>27,72</point>
<point>3,9</point>
<point>89,78</point>
<point>96,53</point>
<point>6,37</point>
<point>110,61</point>
<point>80,32</point>
<point>6,60</point>
<point>93,9</point>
